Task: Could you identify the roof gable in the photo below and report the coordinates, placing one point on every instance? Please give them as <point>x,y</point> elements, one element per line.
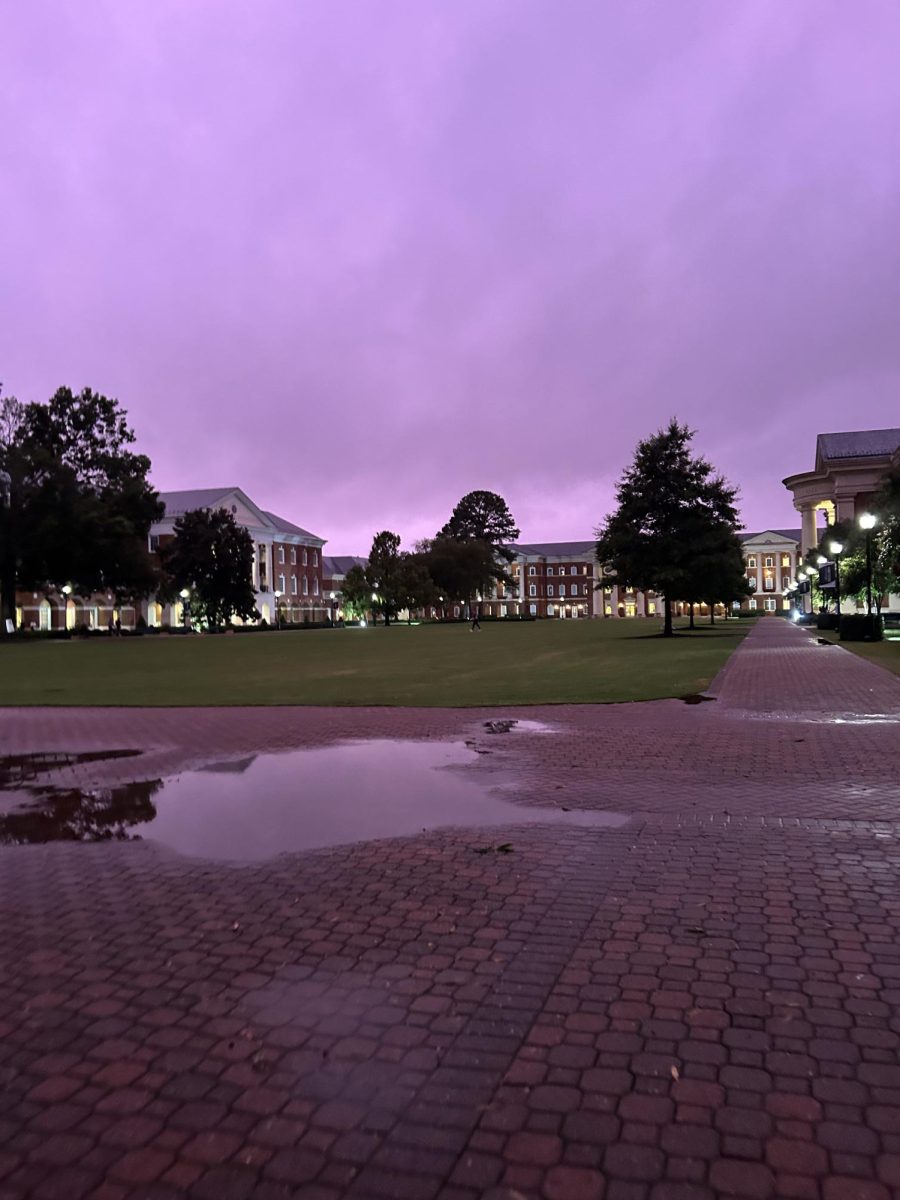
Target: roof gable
<point>857,443</point>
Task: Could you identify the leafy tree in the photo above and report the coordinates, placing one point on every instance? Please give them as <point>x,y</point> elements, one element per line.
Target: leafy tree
<point>80,504</point>
<point>416,588</point>
<point>460,569</point>
<point>356,593</point>
<point>212,556</point>
<point>666,499</point>
<point>385,572</point>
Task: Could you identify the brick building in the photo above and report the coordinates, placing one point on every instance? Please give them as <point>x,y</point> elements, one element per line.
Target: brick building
<point>287,560</point>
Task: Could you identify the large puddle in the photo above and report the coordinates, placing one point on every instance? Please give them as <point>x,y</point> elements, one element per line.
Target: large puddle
<point>257,807</point>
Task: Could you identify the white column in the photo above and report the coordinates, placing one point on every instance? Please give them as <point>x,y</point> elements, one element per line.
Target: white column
<point>641,604</point>
<point>808,536</point>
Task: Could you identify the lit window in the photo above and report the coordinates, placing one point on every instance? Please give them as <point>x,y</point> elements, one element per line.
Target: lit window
<point>770,605</point>
<point>585,589</point>
<point>550,610</point>
<point>550,589</point>
<point>532,589</point>
<point>651,608</point>
<point>786,561</point>
<point>585,570</point>
<point>752,603</point>
<point>532,608</point>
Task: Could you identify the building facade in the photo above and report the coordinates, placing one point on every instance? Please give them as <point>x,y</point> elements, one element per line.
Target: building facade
<point>772,561</point>
<point>288,579</point>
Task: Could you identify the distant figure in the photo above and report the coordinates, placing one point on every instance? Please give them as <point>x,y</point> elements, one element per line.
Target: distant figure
<point>118,627</point>
<point>476,624</point>
<point>112,627</point>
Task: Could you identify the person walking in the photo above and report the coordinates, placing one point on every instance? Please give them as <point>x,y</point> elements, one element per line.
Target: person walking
<point>476,624</point>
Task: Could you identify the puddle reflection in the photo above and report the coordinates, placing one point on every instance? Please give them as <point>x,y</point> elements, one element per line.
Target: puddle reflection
<point>259,806</point>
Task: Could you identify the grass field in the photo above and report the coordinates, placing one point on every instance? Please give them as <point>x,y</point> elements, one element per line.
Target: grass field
<point>544,662</point>
<point>883,654</point>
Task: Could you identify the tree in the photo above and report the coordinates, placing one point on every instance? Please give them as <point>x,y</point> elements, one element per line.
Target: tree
<point>212,557</point>
<point>483,517</point>
<point>384,573</point>
<point>81,505</point>
<point>356,593</point>
<point>665,500</point>
<point>460,569</point>
<point>482,522</point>
<point>416,588</point>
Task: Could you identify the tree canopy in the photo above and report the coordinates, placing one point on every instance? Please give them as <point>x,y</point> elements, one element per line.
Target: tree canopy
<point>80,503</point>
<point>483,517</point>
<point>212,557</point>
<point>670,505</point>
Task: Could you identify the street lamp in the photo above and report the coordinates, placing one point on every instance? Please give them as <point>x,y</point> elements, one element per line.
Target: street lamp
<point>185,606</point>
<point>868,521</point>
<point>837,549</point>
<point>278,596</point>
<point>374,601</point>
<point>331,597</point>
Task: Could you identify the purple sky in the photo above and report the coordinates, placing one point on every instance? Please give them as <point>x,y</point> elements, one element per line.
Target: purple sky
<point>360,258</point>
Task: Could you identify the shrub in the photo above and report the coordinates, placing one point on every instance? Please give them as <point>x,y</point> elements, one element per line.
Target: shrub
<point>827,621</point>
<point>859,627</point>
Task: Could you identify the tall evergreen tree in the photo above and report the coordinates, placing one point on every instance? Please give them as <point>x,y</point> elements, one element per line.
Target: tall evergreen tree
<point>479,519</point>
<point>666,500</point>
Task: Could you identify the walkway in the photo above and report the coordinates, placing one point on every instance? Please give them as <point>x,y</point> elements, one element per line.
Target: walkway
<point>703,1003</point>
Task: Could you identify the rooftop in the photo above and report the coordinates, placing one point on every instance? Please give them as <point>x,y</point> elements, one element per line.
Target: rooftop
<point>790,535</point>
<point>556,549</point>
<point>859,443</point>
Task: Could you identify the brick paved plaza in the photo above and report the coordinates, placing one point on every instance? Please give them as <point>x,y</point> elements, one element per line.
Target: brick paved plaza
<point>702,1003</point>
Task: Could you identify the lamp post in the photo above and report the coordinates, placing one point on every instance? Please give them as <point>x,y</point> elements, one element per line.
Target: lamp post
<point>331,597</point>
<point>185,607</point>
<point>278,596</point>
<point>868,521</point>
<point>374,601</point>
<point>837,549</point>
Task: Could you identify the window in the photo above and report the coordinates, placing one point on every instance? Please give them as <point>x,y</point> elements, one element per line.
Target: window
<point>550,589</point>
<point>608,609</point>
<point>281,584</point>
<point>585,570</point>
<point>532,590</point>
<point>770,605</point>
<point>768,581</point>
<point>751,561</point>
<point>770,561</point>
<point>585,589</point>
<point>786,561</point>
<point>293,556</point>
<point>573,570</point>
<point>786,580</point>
<point>154,542</point>
<point>293,585</point>
<point>651,608</point>
<point>532,608</point>
<point>305,586</point>
<point>752,603</point>
<point>550,610</point>
<point>573,589</point>
<point>315,587</point>
<point>502,610</point>
<point>532,570</point>
<point>281,554</point>
<point>315,558</point>
<point>549,570</point>
<point>304,556</point>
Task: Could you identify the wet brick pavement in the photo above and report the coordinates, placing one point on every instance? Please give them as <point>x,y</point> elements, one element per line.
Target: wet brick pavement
<point>704,1003</point>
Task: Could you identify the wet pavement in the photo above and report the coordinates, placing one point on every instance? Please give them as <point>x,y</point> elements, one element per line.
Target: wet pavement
<point>260,806</point>
<point>701,1002</point>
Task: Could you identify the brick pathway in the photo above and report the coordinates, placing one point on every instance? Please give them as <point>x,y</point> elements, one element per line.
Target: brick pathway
<point>704,1003</point>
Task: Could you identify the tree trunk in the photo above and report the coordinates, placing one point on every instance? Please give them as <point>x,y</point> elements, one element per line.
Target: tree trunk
<point>712,615</point>
<point>691,624</point>
<point>667,612</point>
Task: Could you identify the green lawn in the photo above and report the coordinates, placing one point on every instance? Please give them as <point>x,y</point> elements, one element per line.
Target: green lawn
<point>884,654</point>
<point>546,662</point>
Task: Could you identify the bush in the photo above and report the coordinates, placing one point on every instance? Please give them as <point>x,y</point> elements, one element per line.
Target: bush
<point>827,621</point>
<point>861,628</point>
